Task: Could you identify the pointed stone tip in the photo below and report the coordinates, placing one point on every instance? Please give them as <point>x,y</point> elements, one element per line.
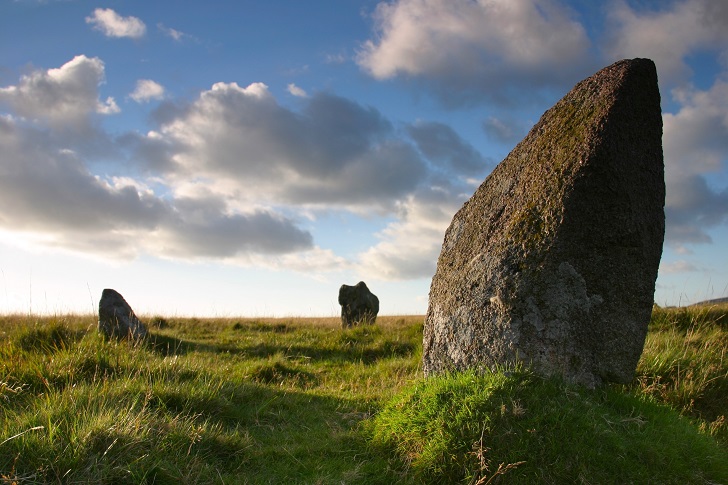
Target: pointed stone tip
<point>641,67</point>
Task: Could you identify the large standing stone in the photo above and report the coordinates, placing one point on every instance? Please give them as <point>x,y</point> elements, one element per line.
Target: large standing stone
<point>358,305</point>
<point>117,319</point>
<point>553,260</point>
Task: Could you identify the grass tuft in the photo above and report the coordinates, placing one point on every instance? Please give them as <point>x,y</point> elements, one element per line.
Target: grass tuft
<point>468,428</point>
<point>47,338</point>
<point>685,364</point>
<point>278,371</point>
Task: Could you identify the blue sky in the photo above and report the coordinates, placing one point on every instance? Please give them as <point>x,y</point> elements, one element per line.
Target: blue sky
<point>247,158</point>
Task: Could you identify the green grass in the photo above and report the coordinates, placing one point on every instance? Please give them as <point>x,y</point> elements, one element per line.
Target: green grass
<point>685,364</point>
<point>524,429</point>
<point>202,401</point>
<point>303,401</point>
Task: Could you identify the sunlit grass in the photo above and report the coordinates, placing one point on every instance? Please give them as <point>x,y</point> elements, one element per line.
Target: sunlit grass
<point>685,363</point>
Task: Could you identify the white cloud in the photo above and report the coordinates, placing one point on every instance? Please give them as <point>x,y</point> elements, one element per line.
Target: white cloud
<point>410,246</point>
<point>696,137</point>
<point>332,155</point>
<point>296,91</point>
<point>147,90</point>
<point>692,208</point>
<point>108,107</point>
<point>669,35</point>
<point>64,97</point>
<point>476,49</point>
<point>205,229</point>
<point>111,24</point>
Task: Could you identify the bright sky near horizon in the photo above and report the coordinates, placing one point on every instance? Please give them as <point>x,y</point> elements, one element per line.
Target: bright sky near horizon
<point>247,158</point>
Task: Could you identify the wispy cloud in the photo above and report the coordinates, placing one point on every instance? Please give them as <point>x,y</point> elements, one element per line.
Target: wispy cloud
<point>339,58</point>
<point>176,35</point>
<point>680,266</point>
<point>296,91</point>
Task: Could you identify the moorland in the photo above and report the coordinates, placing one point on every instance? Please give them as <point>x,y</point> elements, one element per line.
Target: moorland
<point>301,400</point>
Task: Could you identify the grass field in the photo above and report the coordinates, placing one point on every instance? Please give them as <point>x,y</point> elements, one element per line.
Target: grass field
<point>303,401</point>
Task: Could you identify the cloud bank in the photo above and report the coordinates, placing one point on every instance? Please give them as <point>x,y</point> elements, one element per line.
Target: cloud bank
<point>231,173</point>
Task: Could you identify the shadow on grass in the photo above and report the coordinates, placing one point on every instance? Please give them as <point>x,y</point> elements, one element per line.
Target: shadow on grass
<point>280,373</point>
<point>49,338</point>
<point>262,327</point>
<point>355,354</point>
<point>289,436</point>
<point>237,432</point>
<point>168,346</point>
<point>368,353</point>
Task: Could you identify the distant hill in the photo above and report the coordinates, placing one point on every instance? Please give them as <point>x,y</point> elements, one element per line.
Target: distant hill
<point>717,301</point>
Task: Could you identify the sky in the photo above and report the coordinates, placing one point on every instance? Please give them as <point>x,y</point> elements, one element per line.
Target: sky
<point>223,159</point>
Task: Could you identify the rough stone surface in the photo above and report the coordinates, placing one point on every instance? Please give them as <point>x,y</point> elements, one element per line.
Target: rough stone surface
<point>553,260</point>
<point>358,305</point>
<point>117,319</point>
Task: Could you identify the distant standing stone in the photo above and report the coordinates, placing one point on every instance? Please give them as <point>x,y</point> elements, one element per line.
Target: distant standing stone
<point>358,305</point>
<point>117,319</point>
<point>553,260</point>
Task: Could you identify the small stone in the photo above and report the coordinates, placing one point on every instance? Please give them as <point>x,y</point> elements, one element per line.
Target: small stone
<point>117,319</point>
<point>358,305</point>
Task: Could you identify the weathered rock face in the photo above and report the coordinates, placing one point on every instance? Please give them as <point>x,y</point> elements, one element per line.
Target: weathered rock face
<point>358,305</point>
<point>117,319</point>
<point>553,260</point>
